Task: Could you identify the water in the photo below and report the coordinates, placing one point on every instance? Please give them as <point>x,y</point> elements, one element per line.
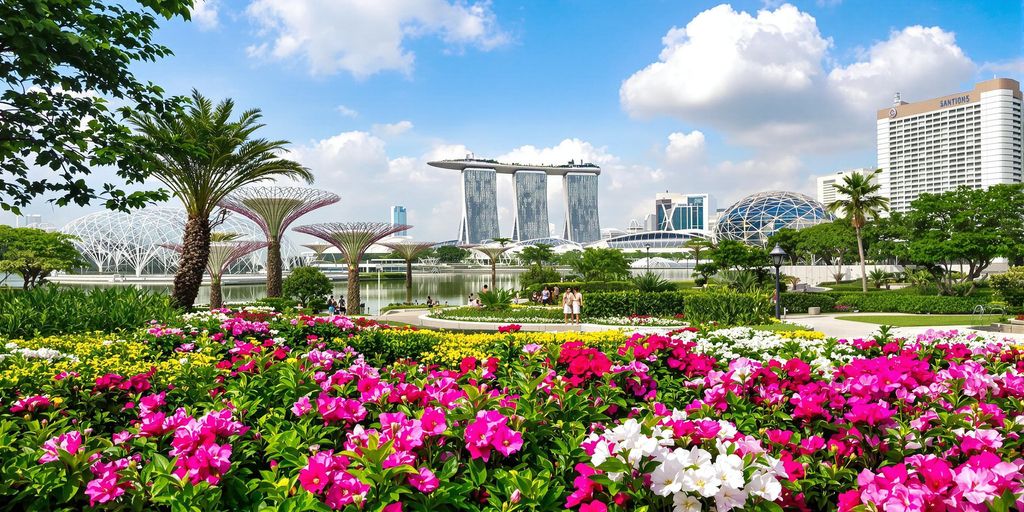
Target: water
<point>450,287</point>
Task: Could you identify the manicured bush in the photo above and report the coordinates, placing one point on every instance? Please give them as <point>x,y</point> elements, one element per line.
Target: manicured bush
<point>618,304</point>
<point>309,286</point>
<point>799,302</point>
<point>1010,286</point>
<point>278,303</point>
<point>903,303</point>
<point>510,315</point>
<point>728,308</point>
<point>586,287</point>
<point>53,309</point>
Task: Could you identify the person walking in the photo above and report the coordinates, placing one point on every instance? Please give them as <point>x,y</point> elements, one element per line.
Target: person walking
<point>331,305</point>
<point>577,303</point>
<point>567,304</point>
<point>545,296</point>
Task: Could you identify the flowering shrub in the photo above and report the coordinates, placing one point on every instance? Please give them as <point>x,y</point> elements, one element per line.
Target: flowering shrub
<point>316,413</point>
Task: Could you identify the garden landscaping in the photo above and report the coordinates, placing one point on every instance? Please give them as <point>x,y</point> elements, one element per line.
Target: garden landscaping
<point>923,320</point>
<point>256,409</point>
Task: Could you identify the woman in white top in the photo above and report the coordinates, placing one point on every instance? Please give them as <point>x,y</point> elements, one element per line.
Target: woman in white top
<point>577,303</point>
<point>567,304</point>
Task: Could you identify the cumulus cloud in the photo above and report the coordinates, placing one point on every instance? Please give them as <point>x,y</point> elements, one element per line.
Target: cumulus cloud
<point>685,148</point>
<point>205,14</point>
<point>364,38</point>
<point>347,112</point>
<point>391,129</point>
<point>764,81</point>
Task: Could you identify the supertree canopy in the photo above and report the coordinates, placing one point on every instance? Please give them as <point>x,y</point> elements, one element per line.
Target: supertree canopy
<point>409,251</point>
<point>273,209</point>
<point>352,239</point>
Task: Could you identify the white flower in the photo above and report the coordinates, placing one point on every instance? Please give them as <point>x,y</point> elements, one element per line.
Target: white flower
<point>730,470</point>
<point>601,453</point>
<point>685,503</point>
<point>765,486</point>
<point>665,479</point>
<point>730,498</point>
<point>704,481</point>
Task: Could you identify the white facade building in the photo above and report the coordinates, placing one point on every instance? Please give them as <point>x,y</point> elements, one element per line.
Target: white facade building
<point>827,184</point>
<point>968,139</point>
<point>679,212</point>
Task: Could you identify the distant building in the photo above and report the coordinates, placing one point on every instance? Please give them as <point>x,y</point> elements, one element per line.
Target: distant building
<point>827,184</point>
<point>650,222</point>
<point>679,212</point>
<point>28,221</point>
<point>398,216</point>
<point>970,139</point>
<point>754,218</point>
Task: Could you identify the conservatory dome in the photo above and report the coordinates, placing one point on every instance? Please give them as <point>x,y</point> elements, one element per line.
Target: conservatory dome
<point>756,217</point>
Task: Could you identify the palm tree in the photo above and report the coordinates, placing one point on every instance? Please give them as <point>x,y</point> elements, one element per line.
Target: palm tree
<point>537,255</point>
<point>861,202</point>
<point>202,155</point>
<point>225,249</point>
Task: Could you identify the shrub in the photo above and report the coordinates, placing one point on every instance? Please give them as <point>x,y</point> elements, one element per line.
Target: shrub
<point>1010,286</point>
<point>650,282</point>
<point>278,303</point>
<point>728,308</point>
<point>496,299</point>
<point>538,275</point>
<point>52,309</point>
<point>613,304</point>
<point>799,302</point>
<point>307,285</point>
<point>586,287</point>
<point>903,303</point>
<point>521,315</point>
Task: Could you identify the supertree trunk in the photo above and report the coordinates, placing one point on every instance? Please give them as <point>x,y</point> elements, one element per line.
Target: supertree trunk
<point>353,289</point>
<point>274,267</point>
<point>216,301</point>
<point>408,281</point>
<point>194,254</point>
<point>494,274</point>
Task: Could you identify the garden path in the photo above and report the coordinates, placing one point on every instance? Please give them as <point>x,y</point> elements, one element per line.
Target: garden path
<point>832,326</point>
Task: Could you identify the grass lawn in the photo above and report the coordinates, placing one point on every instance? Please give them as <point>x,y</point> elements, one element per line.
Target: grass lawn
<point>922,320</point>
<point>777,327</point>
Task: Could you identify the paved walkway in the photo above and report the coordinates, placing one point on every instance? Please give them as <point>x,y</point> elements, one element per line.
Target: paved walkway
<point>419,318</point>
<point>832,326</point>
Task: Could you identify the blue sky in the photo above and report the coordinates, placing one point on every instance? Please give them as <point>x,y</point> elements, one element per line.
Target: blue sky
<point>684,96</point>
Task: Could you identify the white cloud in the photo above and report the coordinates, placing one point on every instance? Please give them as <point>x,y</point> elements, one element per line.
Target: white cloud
<point>205,14</point>
<point>391,129</point>
<point>367,37</point>
<point>763,81</point>
<point>347,112</point>
<point>685,147</point>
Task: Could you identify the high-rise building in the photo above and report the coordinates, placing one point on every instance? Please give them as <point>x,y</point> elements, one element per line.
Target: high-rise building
<point>970,139</point>
<point>827,184</point>
<point>398,216</point>
<point>480,204</point>
<point>678,212</point>
<point>28,221</point>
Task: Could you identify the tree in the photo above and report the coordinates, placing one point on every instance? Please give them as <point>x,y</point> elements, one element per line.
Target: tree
<point>410,252</point>
<point>886,238</point>
<point>789,240</point>
<point>202,155</point>
<point>61,63</point>
<point>830,242</point>
<point>352,239</point>
<point>594,264</point>
<point>858,202</point>
<point>273,209</point>
<point>307,285</point>
<point>537,255</point>
<point>699,246</point>
<point>451,254</point>
<point>34,254</point>
<point>225,249</point>
<point>493,252</point>
<point>959,229</point>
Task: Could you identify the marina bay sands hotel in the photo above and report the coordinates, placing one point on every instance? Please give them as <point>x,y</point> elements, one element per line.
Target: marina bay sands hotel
<point>530,183</point>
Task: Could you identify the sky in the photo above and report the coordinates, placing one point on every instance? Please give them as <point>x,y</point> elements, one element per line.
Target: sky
<point>665,95</point>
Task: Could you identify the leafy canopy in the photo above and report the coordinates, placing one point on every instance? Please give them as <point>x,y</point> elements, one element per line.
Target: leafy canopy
<point>61,63</point>
<point>34,254</point>
<point>307,285</point>
<point>595,264</point>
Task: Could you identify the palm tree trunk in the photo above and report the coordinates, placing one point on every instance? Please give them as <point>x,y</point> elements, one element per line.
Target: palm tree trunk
<point>216,302</point>
<point>195,251</point>
<point>274,267</point>
<point>863,268</point>
<point>353,289</point>
<point>408,281</point>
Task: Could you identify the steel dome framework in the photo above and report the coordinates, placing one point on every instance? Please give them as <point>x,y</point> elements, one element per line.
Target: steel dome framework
<point>756,217</point>
<point>134,243</point>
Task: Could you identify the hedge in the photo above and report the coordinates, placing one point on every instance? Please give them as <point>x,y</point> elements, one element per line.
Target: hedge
<point>728,308</point>
<point>586,287</point>
<point>899,303</point>
<point>799,302</point>
<point>626,303</point>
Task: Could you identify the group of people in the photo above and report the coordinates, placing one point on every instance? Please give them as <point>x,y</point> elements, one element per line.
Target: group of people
<point>335,306</point>
<point>572,303</point>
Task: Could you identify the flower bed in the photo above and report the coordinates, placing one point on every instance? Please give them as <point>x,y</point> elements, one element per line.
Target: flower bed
<point>285,412</point>
<point>539,315</point>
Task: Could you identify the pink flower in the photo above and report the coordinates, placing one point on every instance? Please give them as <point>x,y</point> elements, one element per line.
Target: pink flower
<point>315,476</point>
<point>103,489</point>
<point>508,329</point>
<point>31,404</point>
<point>507,441</point>
<point>302,406</point>
<point>594,506</point>
<point>70,442</point>
<point>976,486</point>
<point>531,348</point>
<point>425,481</point>
<point>393,507</point>
<point>433,421</point>
<point>490,430</point>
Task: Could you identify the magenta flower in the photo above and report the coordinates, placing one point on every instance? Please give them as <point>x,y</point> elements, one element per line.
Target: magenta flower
<point>507,441</point>
<point>302,406</point>
<point>425,481</point>
<point>434,421</point>
<point>316,475</point>
<point>103,489</point>
<point>70,442</point>
<point>31,404</point>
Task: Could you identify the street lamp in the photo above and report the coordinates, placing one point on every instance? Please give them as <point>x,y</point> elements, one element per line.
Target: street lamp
<point>778,257</point>
<point>648,248</point>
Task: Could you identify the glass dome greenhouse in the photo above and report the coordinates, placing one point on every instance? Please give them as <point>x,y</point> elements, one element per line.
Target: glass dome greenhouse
<point>756,217</point>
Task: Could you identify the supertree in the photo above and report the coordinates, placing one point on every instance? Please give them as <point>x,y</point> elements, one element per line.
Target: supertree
<point>274,208</point>
<point>318,249</point>
<point>493,252</point>
<point>409,251</point>
<point>352,239</point>
<point>225,249</point>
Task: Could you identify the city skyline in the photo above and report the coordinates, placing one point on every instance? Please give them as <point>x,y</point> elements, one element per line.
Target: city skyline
<point>362,120</point>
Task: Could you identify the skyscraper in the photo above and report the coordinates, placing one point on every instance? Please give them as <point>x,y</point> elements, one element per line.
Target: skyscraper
<point>582,224</point>
<point>479,206</point>
<point>827,184</point>
<point>531,190</point>
<point>398,216</point>
<point>970,139</point>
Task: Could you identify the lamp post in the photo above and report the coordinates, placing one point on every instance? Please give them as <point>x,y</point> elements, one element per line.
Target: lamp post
<point>778,257</point>
<point>647,247</point>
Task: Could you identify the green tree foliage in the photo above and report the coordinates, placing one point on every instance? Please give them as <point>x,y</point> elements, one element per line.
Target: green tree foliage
<point>34,254</point>
<point>730,254</point>
<point>1010,286</point>
<point>859,202</point>
<point>307,285</point>
<point>886,238</point>
<point>832,243</point>
<point>451,254</point>
<point>789,240</point>
<point>61,63</point>
<point>537,255</point>
<point>202,155</point>
<point>960,232</point>
<point>594,264</point>
<point>538,276</point>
